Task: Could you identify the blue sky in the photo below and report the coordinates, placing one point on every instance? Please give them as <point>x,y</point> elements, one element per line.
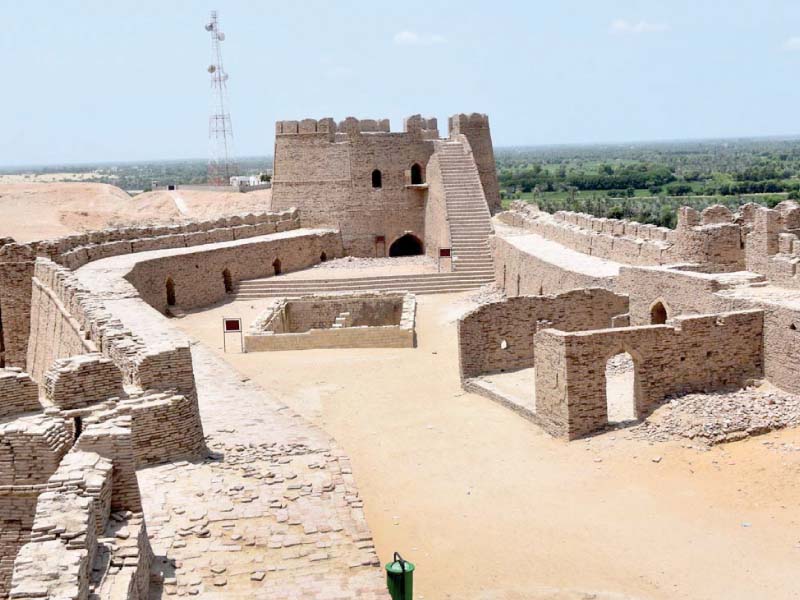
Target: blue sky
<point>110,80</point>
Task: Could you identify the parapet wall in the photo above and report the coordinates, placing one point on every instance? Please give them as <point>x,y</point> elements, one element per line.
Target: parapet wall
<point>150,367</point>
<point>689,354</point>
<point>197,276</point>
<point>498,336</point>
<point>73,251</point>
<point>700,239</point>
<point>521,272</point>
<point>353,126</point>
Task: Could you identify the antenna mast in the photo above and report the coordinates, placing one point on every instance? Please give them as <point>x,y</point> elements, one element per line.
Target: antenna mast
<point>220,132</point>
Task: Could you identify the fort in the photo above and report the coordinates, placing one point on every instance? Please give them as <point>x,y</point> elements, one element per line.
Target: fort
<point>137,461</point>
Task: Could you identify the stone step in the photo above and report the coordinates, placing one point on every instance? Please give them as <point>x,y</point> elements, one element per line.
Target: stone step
<point>428,288</point>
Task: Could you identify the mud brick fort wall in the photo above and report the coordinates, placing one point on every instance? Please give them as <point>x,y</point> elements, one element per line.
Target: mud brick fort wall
<point>520,273</point>
<point>326,170</point>
<point>73,251</point>
<point>691,353</point>
<point>499,336</point>
<point>699,238</point>
<point>198,276</point>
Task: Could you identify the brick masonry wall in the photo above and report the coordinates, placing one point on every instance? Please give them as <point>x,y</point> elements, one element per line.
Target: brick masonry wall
<point>691,353</point>
<point>73,251</point>
<point>330,181</point>
<point>520,273</point>
<point>82,380</point>
<point>377,320</point>
<point>198,276</point>
<point>684,292</point>
<point>17,510</point>
<point>713,243</point>
<point>482,331</point>
<point>18,393</point>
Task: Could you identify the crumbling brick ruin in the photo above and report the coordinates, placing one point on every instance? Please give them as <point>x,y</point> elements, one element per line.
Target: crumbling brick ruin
<point>708,306</point>
<point>96,385</point>
<point>335,321</point>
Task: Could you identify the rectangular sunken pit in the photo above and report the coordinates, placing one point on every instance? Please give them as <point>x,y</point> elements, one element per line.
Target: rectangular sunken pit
<point>363,320</point>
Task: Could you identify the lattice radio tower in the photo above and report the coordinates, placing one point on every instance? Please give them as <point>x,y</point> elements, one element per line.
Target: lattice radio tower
<point>220,132</point>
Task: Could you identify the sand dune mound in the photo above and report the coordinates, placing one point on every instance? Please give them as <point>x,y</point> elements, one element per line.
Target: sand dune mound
<point>33,211</point>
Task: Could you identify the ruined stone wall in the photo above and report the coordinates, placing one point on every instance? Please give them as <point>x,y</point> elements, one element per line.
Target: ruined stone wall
<point>373,321</point>
<point>475,127</point>
<point>680,292</point>
<point>198,276</point>
<point>156,366</point>
<point>54,332</point>
<point>696,293</point>
<point>499,336</point>
<point>31,448</point>
<point>699,238</point>
<point>82,380</point>
<point>320,312</point>
<point>326,171</point>
<point>18,393</point>
<point>520,273</point>
<point>690,353</point>
<point>773,247</point>
<point>73,251</point>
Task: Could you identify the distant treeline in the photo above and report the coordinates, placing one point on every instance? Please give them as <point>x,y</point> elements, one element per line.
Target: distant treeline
<point>648,182</point>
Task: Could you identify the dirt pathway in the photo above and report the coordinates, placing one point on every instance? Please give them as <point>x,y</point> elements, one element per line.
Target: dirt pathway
<point>490,507</point>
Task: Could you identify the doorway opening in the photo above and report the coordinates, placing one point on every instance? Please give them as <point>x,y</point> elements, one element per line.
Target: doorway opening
<point>406,245</point>
<point>170,292</point>
<point>276,266</point>
<point>228,281</point>
<point>323,257</point>
<point>621,386</point>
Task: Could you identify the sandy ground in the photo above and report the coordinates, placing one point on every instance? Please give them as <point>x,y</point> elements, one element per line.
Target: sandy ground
<point>35,211</point>
<point>490,507</point>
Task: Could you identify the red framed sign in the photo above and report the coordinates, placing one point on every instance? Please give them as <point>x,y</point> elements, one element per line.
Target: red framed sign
<point>231,325</point>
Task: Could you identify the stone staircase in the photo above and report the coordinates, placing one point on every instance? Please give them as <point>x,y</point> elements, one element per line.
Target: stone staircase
<point>427,283</point>
<point>343,320</point>
<point>467,212</point>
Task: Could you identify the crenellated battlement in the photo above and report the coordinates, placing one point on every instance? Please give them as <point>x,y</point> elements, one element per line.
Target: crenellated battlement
<point>462,123</point>
<point>353,126</point>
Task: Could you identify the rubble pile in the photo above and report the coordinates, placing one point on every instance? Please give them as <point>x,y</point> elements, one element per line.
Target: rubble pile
<point>720,417</point>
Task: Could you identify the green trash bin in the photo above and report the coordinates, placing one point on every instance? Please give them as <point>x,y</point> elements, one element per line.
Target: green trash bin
<point>400,578</point>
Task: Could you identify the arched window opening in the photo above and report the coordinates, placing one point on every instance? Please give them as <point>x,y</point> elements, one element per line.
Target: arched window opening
<point>228,281</point>
<point>658,314</point>
<point>621,388</point>
<point>170,292</point>
<point>323,257</point>
<point>416,174</point>
<point>377,179</point>
<point>407,245</point>
<point>276,266</point>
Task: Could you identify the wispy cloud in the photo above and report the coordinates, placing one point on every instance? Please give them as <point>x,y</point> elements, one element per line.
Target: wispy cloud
<point>638,27</point>
<point>412,38</point>
<point>792,44</point>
